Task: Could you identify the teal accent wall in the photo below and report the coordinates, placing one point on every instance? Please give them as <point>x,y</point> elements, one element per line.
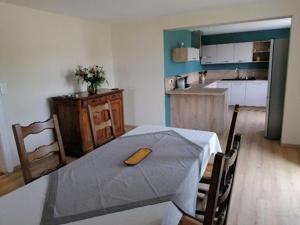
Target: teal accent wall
<point>242,37</point>
<point>167,111</point>
<point>171,40</point>
<point>171,68</point>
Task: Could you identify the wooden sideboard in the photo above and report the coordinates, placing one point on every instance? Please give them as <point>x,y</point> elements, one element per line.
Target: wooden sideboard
<point>74,123</point>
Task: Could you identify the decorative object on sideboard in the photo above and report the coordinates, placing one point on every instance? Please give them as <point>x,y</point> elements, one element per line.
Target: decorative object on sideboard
<point>94,76</point>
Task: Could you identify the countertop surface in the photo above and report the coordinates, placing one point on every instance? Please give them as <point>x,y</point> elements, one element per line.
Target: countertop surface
<point>199,89</point>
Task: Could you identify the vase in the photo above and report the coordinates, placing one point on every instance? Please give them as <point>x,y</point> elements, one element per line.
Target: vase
<point>92,89</point>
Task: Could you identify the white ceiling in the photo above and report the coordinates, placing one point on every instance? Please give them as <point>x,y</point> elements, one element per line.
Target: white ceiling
<point>119,10</point>
<point>247,26</point>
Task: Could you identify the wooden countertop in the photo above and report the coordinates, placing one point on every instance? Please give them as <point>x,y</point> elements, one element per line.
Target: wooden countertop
<point>199,89</point>
<point>85,95</point>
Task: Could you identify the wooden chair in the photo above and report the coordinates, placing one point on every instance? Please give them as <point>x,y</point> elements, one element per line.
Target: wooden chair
<point>232,129</point>
<point>44,151</point>
<point>213,196</point>
<point>208,170</point>
<point>226,184</point>
<point>98,109</point>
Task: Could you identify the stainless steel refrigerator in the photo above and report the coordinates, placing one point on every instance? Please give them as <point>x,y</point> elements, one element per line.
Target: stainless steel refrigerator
<point>276,87</point>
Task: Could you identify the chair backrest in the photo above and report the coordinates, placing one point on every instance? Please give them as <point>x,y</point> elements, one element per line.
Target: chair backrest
<point>213,195</point>
<point>214,188</point>
<point>27,158</point>
<point>232,129</point>
<point>98,109</point>
<point>227,180</point>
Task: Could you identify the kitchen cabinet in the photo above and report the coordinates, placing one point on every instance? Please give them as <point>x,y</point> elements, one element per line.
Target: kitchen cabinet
<point>256,93</point>
<point>185,54</point>
<point>225,53</point>
<point>225,84</point>
<point>212,85</point>
<point>209,54</point>
<point>238,92</point>
<point>243,52</point>
<point>72,112</point>
<point>246,93</point>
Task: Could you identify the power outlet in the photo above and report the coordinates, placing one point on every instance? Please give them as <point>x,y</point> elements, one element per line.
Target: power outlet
<point>3,89</point>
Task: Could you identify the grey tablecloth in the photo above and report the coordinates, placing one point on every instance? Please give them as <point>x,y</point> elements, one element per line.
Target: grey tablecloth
<point>100,183</point>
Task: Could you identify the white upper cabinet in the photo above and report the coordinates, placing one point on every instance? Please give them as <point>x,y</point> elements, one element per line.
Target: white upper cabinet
<point>225,53</point>
<point>256,93</point>
<point>209,54</point>
<point>243,52</point>
<point>193,54</point>
<point>185,54</point>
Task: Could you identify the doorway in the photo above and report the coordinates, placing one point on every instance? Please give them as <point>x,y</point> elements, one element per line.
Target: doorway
<point>244,58</point>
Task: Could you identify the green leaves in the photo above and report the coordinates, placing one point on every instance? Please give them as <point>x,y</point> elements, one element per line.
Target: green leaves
<point>94,75</point>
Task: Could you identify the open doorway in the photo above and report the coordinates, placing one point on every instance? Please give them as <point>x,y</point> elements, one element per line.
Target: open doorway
<point>259,52</point>
<point>248,58</point>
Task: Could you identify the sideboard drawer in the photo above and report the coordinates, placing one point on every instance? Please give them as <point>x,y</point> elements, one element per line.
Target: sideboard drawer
<point>114,96</point>
<point>96,101</point>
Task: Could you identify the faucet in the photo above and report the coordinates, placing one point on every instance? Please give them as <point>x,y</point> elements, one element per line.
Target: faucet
<point>237,71</point>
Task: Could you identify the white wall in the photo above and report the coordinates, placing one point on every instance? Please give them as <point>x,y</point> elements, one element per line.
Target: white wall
<point>137,54</point>
<point>138,59</point>
<point>38,51</point>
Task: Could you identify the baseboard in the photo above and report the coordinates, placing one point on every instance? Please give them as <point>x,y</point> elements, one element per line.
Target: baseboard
<point>289,146</point>
<point>129,127</point>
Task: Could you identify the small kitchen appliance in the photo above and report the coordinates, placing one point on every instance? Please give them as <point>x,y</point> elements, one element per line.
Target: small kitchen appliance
<point>181,82</point>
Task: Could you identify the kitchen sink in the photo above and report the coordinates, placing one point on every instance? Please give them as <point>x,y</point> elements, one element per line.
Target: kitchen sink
<point>249,78</point>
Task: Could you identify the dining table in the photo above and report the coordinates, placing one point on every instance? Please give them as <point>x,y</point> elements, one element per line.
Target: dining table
<point>155,192</point>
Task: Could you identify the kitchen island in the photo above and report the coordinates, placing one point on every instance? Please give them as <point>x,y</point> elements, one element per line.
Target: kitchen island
<point>199,107</point>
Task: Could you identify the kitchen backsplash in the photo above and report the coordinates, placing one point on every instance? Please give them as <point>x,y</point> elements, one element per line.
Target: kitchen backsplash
<point>261,74</point>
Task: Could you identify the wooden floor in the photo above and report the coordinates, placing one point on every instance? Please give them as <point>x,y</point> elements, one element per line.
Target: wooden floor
<point>267,184</point>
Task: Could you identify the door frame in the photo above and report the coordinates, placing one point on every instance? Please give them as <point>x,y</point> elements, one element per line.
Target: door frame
<point>6,163</point>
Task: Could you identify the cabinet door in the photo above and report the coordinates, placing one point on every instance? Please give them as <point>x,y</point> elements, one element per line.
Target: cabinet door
<point>256,93</point>
<point>185,54</point>
<point>117,110</point>
<point>225,53</point>
<point>209,54</point>
<point>179,54</point>
<point>225,84</point>
<point>238,91</point>
<point>193,54</point>
<point>243,52</point>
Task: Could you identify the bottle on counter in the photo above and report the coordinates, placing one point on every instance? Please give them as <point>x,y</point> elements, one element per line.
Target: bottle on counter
<point>202,76</point>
